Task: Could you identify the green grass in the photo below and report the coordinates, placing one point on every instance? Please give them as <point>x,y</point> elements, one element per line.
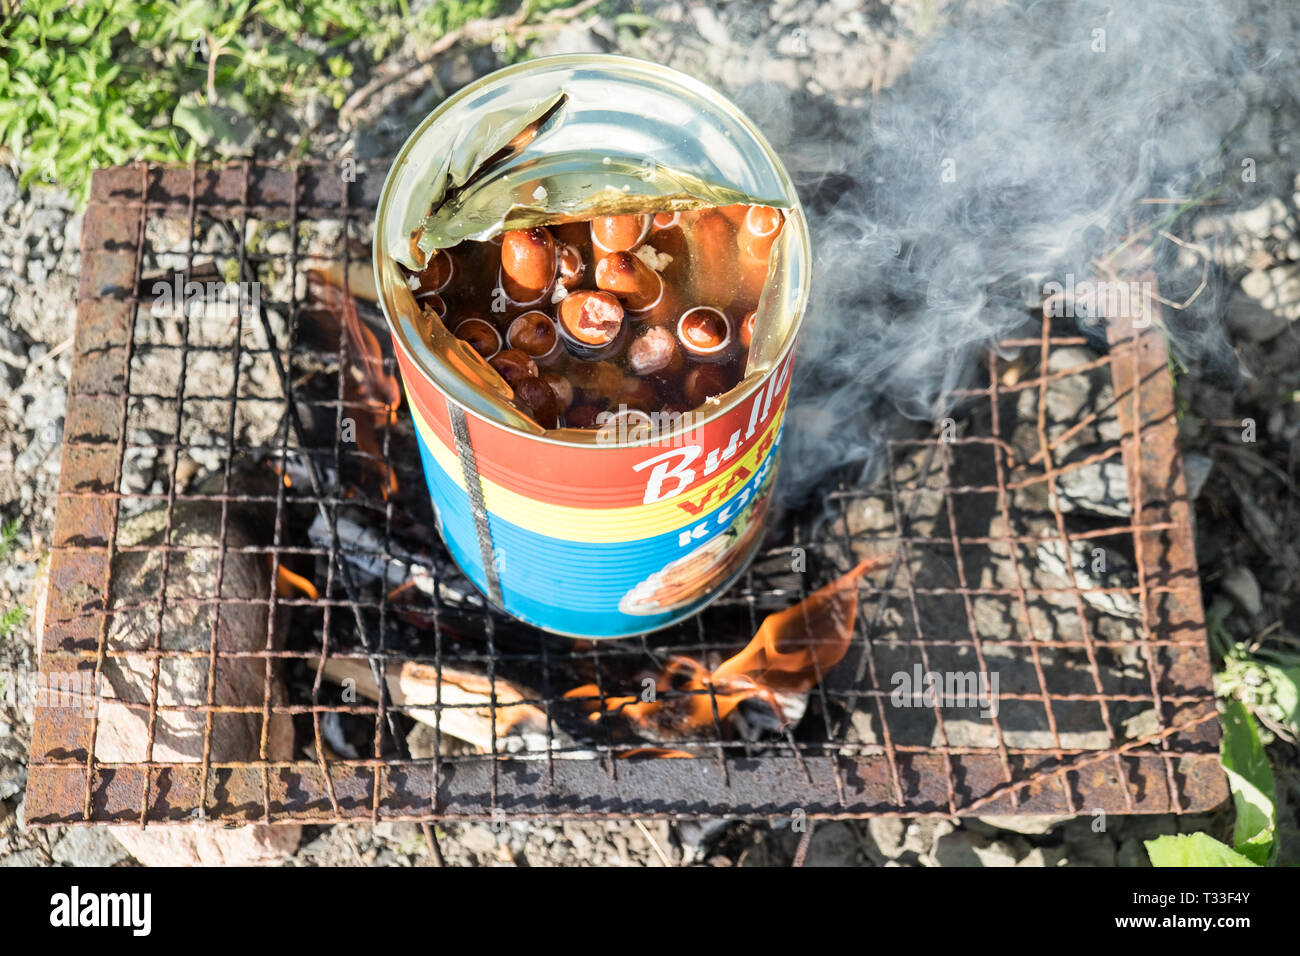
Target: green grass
<point>102,82</point>
<point>14,616</point>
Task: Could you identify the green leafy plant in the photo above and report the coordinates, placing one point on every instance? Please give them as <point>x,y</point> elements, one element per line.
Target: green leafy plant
<point>14,616</point>
<point>1193,849</point>
<point>1254,793</point>
<point>101,82</point>
<point>10,619</point>
<point>1267,681</point>
<point>9,537</point>
<point>1256,682</point>
<point>1254,796</point>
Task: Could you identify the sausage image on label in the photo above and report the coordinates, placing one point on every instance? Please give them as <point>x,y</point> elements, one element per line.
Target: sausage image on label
<point>481,335</point>
<point>618,233</point>
<point>705,333</point>
<point>527,264</point>
<point>592,324</point>
<point>715,269</point>
<point>638,286</point>
<point>534,333</point>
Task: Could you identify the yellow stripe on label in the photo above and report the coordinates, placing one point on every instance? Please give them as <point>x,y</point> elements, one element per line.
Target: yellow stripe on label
<point>609,525</point>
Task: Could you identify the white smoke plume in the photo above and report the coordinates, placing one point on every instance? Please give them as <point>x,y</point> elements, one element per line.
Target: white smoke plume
<point>1014,150</point>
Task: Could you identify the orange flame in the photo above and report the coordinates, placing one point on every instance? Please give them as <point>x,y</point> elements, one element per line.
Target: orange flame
<point>656,752</point>
<point>286,583</point>
<point>789,655</point>
<point>283,472</point>
<point>381,387</point>
<point>377,389</point>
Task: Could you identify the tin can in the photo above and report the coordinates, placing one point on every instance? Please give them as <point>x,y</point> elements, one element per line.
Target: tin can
<point>588,534</point>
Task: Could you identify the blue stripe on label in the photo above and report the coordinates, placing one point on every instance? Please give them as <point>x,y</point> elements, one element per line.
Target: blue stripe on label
<point>577,587</point>
<point>455,518</point>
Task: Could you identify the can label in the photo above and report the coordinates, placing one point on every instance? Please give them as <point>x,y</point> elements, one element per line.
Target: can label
<point>598,541</point>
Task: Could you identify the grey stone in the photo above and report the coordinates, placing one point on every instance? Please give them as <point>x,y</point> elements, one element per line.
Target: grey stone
<point>43,441</point>
<point>88,846</point>
<point>1100,488</point>
<point>1197,467</point>
<point>279,243</point>
<point>964,848</point>
<point>8,189</point>
<point>37,271</point>
<point>833,844</point>
<point>1132,853</point>
<point>824,40</point>
<point>1249,319</point>
<point>478,838</point>
<point>1044,856</point>
<point>887,833</point>
<point>697,835</point>
<point>1276,289</point>
<point>1086,574</point>
<point>13,777</point>
<point>404,834</point>
<point>921,836</point>
<point>1241,585</point>
<point>1027,823</point>
<point>1094,850</point>
<point>711,28</point>
<point>28,857</point>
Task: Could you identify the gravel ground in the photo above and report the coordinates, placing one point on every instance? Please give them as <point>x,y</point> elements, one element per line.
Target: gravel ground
<point>835,55</point>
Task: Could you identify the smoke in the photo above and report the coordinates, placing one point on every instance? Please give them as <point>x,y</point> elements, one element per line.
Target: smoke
<point>1013,151</point>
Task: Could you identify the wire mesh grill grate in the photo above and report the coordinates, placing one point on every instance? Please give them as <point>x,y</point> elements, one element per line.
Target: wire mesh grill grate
<point>214,458</point>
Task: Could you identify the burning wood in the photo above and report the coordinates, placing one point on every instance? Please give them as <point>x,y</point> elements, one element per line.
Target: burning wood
<point>789,655</point>
<point>466,702</point>
<point>363,549</point>
<point>658,753</point>
<point>375,390</point>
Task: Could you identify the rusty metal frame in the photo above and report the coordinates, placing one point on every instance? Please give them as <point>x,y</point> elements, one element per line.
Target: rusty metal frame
<point>1173,769</point>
